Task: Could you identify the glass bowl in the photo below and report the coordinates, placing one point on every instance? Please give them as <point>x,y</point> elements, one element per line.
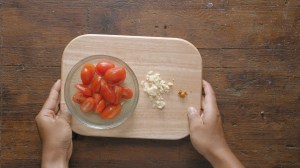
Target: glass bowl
<point>92,119</point>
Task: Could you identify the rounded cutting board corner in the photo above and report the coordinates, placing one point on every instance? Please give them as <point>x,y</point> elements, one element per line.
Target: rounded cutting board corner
<point>176,60</point>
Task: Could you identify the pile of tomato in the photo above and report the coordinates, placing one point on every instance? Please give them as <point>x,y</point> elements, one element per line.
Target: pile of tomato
<point>101,90</point>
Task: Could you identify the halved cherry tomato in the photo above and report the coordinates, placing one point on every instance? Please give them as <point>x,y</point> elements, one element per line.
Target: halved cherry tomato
<point>79,97</point>
<point>99,90</point>
<point>97,97</point>
<point>96,84</point>
<point>103,66</point>
<point>91,67</point>
<point>111,111</point>
<point>84,89</point>
<point>86,76</point>
<point>107,92</point>
<point>127,93</point>
<point>100,106</point>
<point>118,94</point>
<point>88,105</point>
<point>115,75</point>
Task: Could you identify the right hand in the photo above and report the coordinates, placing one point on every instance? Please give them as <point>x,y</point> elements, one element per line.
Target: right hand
<point>206,131</point>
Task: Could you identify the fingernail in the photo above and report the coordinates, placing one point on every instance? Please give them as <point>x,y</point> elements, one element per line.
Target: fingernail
<point>192,111</point>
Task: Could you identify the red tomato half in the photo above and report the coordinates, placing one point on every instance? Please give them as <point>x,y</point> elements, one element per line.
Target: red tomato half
<point>79,97</point>
<point>88,105</point>
<point>96,84</point>
<point>100,106</point>
<point>103,66</point>
<point>118,94</point>
<point>84,89</point>
<point>91,67</point>
<point>127,93</point>
<point>107,92</point>
<point>97,97</point>
<point>115,75</point>
<point>86,75</point>
<point>111,111</point>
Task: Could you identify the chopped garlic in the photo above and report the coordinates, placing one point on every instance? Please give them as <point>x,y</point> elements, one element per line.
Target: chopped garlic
<point>160,104</point>
<point>155,87</point>
<point>170,84</point>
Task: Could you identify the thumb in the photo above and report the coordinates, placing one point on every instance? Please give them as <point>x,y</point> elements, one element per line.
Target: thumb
<point>193,114</point>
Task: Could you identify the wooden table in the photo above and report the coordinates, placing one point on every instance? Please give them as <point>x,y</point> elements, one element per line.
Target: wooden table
<point>250,53</point>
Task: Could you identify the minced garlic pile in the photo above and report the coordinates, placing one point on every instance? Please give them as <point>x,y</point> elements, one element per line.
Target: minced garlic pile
<point>155,87</point>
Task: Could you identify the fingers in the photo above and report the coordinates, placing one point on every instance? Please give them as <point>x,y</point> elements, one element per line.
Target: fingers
<point>52,101</point>
<point>209,103</point>
<point>202,102</point>
<point>193,117</point>
<point>209,92</point>
<point>192,113</point>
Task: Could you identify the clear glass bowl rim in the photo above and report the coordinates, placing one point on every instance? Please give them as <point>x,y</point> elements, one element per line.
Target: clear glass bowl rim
<point>82,62</point>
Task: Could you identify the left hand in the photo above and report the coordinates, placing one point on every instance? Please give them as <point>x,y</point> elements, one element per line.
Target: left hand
<point>55,131</point>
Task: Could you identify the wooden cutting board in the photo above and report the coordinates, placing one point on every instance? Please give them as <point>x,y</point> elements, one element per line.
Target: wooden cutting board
<point>175,59</point>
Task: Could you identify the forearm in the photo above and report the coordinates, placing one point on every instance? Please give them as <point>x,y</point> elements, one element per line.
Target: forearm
<point>224,158</point>
<point>52,159</point>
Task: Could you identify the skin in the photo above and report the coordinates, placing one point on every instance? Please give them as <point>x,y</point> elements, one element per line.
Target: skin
<point>206,132</point>
<point>55,131</point>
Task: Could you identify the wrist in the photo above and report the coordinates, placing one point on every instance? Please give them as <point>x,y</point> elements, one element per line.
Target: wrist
<point>217,153</point>
<point>223,157</point>
<point>54,158</point>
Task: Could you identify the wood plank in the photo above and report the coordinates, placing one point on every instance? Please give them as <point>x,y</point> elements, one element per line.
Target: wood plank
<point>254,30</point>
<point>217,4</point>
<point>48,27</point>
<point>21,78</point>
<point>46,22</point>
<point>24,90</point>
<point>263,4</point>
<point>1,85</point>
<point>112,164</point>
<point>18,144</point>
<point>45,3</point>
<point>206,29</point>
<point>24,57</point>
<point>108,149</point>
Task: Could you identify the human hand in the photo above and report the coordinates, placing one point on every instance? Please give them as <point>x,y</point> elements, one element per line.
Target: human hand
<point>206,131</point>
<point>55,131</point>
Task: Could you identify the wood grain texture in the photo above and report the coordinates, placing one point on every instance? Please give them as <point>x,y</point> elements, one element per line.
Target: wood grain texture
<point>175,59</point>
<point>250,51</point>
